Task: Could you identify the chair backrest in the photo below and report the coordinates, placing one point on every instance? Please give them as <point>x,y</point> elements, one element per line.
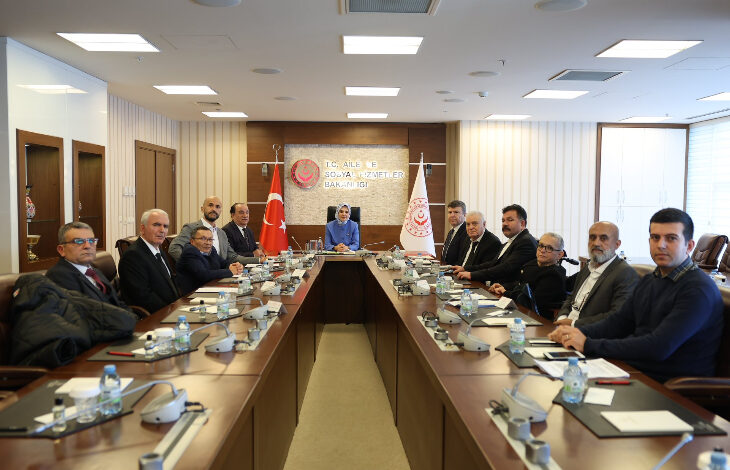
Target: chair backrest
<point>123,243</point>
<point>165,246</point>
<point>723,355</point>
<point>643,269</point>
<point>354,214</point>
<point>725,261</point>
<point>7,283</point>
<point>708,249</point>
<point>104,262</point>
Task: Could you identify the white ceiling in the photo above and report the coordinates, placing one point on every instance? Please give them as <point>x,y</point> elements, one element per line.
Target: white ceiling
<point>303,38</point>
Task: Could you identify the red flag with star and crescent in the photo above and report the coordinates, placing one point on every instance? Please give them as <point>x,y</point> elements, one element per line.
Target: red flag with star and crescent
<point>273,230</point>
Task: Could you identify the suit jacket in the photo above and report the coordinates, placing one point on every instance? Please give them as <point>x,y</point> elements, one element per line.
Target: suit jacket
<point>547,284</point>
<point>453,255</point>
<point>487,249</point>
<point>144,281</point>
<point>195,269</point>
<point>67,276</point>
<point>225,252</point>
<point>507,268</point>
<point>239,244</point>
<point>608,294</point>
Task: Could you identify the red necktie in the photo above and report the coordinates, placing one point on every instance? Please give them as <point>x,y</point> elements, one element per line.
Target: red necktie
<point>92,274</point>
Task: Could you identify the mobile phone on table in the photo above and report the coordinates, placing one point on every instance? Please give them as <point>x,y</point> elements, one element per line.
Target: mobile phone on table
<point>563,355</point>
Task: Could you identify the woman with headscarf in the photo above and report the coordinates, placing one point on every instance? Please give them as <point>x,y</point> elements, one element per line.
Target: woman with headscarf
<point>342,234</point>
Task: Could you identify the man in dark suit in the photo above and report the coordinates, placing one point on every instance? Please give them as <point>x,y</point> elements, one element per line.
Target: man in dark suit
<point>518,250</point>
<point>77,247</point>
<point>200,262</point>
<point>603,285</point>
<point>481,244</point>
<point>240,236</point>
<point>211,209</point>
<point>144,270</point>
<point>456,236</point>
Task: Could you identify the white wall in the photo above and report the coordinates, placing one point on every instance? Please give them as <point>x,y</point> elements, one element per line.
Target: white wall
<point>69,116</point>
<point>549,168</point>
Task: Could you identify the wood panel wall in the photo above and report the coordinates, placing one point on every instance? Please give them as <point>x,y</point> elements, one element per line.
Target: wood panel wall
<point>427,138</point>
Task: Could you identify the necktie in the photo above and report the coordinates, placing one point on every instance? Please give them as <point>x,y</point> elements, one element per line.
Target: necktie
<point>469,255</point>
<point>447,243</point>
<point>92,274</point>
<point>159,258</point>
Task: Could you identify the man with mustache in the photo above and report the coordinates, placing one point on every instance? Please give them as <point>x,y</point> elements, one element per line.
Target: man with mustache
<point>211,209</point>
<point>240,236</point>
<point>603,285</point>
<point>672,324</point>
<point>520,248</point>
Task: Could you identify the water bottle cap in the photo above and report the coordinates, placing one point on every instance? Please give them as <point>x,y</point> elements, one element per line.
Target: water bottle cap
<point>58,401</point>
<point>518,321</point>
<point>110,369</point>
<point>149,337</point>
<point>573,361</point>
<point>182,318</point>
<point>718,458</point>
<point>221,293</point>
<point>202,302</point>
<point>467,291</point>
<point>245,271</point>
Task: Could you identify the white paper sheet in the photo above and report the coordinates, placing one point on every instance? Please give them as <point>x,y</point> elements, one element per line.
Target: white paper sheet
<point>539,353</point>
<point>215,290</point>
<point>273,306</point>
<point>595,368</point>
<point>86,382</point>
<point>299,273</point>
<point>599,396</point>
<point>206,300</point>
<point>646,421</point>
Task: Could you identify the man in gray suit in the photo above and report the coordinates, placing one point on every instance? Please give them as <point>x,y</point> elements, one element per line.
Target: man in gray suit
<point>211,210</point>
<point>603,285</point>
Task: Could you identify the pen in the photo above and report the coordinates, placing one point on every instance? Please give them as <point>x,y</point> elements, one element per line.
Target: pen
<point>613,382</point>
<point>120,353</point>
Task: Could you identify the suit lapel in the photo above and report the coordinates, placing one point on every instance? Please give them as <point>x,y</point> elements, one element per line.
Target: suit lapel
<point>600,279</point>
<point>161,269</point>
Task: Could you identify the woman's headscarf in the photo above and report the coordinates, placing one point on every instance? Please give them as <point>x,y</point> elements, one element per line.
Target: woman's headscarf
<point>337,213</point>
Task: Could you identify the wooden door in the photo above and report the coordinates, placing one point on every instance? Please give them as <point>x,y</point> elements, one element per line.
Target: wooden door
<point>89,193</point>
<point>155,180</point>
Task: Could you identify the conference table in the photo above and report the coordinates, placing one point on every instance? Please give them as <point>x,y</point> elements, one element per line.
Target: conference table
<point>438,398</point>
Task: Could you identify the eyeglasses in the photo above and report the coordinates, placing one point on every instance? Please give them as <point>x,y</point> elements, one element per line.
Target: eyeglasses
<point>81,241</point>
<point>547,248</point>
<point>205,239</point>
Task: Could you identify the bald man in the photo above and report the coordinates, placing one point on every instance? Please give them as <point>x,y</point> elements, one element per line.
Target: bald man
<point>211,210</point>
<point>602,287</point>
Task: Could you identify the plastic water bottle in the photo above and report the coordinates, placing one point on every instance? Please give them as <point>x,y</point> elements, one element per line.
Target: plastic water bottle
<point>182,334</point>
<point>320,245</point>
<point>111,388</point>
<point>222,306</point>
<point>574,382</point>
<point>289,253</point>
<point>246,281</point>
<point>466,303</point>
<point>440,283</point>
<point>149,348</point>
<point>59,415</point>
<point>517,337</point>
<point>718,460</point>
<point>202,311</point>
<point>240,286</point>
<point>265,270</point>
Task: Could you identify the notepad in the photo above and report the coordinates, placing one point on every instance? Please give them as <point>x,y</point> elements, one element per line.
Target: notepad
<point>85,382</point>
<point>215,290</point>
<point>599,396</point>
<point>646,421</point>
<point>539,352</point>
<point>595,368</point>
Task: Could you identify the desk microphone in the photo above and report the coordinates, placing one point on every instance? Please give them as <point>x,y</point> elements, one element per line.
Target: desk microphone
<point>570,261</point>
<point>295,241</point>
<point>374,243</point>
<point>686,437</point>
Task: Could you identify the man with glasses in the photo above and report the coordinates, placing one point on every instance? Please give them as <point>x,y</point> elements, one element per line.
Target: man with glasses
<point>77,248</point>
<point>200,262</point>
<point>211,210</point>
<point>544,277</point>
<point>144,270</point>
<point>603,285</point>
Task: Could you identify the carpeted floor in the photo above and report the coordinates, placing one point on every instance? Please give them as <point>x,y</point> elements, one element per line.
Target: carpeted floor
<point>346,421</point>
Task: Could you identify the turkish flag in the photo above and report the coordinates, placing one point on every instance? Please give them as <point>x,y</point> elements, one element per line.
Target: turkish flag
<point>273,231</point>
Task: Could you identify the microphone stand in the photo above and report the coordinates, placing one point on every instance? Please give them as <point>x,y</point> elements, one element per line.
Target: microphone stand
<point>298,245</point>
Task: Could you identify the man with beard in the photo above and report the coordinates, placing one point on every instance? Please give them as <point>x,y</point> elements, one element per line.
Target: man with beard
<point>211,210</point>
<point>603,285</point>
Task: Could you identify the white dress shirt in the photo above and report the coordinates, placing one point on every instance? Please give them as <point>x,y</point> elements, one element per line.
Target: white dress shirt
<point>506,245</point>
<point>471,247</point>
<point>585,289</point>
<point>213,229</point>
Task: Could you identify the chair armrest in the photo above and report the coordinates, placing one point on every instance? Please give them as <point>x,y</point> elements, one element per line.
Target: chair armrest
<point>141,312</point>
<point>716,388</point>
<point>15,377</point>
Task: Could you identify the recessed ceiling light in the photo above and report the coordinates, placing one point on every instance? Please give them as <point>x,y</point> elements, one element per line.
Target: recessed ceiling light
<point>218,3</point>
<point>483,74</point>
<point>186,89</point>
<point>381,44</point>
<point>454,100</point>
<point>645,119</point>
<point>367,115</point>
<point>285,98</point>
<point>225,114</point>
<point>555,94</point>
<point>97,42</point>
<point>445,92</point>
<point>560,5</point>
<point>645,49</point>
<point>267,70</point>
<point>53,89</point>
<point>507,117</point>
<point>371,91</point>
<point>724,96</point>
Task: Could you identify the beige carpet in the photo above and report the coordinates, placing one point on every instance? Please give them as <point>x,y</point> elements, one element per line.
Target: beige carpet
<point>346,421</point>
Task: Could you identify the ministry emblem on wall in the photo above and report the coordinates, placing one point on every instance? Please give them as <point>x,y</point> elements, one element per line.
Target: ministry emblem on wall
<point>305,173</point>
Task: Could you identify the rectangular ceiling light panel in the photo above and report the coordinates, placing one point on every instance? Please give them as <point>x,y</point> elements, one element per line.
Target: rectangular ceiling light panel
<point>225,114</point>
<point>186,89</point>
<point>645,119</point>
<point>724,96</point>
<point>110,42</point>
<point>381,44</point>
<point>367,115</point>
<point>371,91</point>
<point>555,94</point>
<point>507,117</point>
<point>645,49</point>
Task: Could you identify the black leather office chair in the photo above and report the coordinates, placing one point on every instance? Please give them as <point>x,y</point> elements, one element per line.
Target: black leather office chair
<point>354,214</point>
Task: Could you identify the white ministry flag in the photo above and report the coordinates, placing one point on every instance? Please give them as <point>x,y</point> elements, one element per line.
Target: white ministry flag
<point>417,231</point>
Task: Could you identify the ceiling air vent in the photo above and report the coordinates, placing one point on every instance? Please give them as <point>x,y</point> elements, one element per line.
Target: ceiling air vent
<point>587,75</point>
<point>389,6</point>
